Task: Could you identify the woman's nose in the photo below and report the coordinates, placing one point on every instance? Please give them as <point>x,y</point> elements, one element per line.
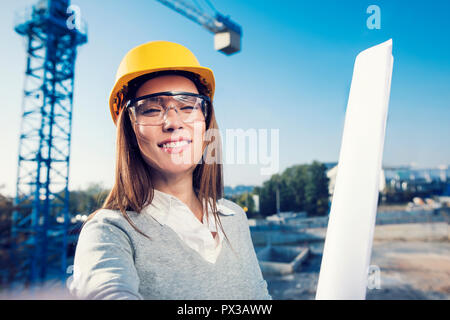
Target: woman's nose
<point>172,120</point>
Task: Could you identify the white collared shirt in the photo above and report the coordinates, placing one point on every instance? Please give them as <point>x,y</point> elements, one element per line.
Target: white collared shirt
<point>170,211</point>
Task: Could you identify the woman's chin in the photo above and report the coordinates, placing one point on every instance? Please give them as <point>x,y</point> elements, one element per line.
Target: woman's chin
<point>175,169</point>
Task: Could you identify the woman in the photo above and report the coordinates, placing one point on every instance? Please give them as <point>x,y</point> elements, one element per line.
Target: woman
<point>164,231</point>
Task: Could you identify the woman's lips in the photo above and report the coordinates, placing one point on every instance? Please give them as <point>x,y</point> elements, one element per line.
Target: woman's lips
<point>178,149</point>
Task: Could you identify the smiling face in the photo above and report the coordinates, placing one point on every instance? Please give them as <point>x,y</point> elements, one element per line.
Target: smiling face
<point>152,140</point>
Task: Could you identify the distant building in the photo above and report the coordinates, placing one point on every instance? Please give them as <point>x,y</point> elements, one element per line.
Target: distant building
<point>239,189</point>
<point>404,179</point>
<point>431,181</point>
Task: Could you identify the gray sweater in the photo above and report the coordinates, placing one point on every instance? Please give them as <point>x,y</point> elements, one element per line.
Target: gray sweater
<point>114,261</point>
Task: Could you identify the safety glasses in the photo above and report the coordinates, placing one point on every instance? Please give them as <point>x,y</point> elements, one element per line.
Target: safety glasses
<point>152,109</point>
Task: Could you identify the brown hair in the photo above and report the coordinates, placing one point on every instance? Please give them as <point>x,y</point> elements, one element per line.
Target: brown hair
<point>133,188</point>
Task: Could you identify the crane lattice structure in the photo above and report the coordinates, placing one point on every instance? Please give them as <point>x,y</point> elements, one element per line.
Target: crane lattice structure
<point>41,220</point>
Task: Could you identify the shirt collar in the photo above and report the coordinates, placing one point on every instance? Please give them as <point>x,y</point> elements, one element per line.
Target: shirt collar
<point>164,202</point>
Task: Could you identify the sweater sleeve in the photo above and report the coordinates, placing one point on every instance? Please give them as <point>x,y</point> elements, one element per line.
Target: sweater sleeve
<point>104,266</point>
<point>261,289</point>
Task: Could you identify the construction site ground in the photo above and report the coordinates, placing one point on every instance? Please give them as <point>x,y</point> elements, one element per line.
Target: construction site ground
<point>413,262</point>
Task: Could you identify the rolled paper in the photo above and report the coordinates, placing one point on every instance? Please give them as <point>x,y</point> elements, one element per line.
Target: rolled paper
<point>349,237</point>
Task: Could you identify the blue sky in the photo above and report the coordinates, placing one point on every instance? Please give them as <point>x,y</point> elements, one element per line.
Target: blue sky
<point>293,74</point>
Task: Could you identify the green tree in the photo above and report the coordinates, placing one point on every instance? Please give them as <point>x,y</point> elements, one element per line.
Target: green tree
<point>302,188</point>
<point>244,200</point>
<point>267,199</point>
<point>6,209</point>
<point>296,178</point>
<point>88,200</point>
<point>316,190</point>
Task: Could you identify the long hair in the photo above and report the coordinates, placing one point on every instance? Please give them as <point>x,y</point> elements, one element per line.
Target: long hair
<point>133,187</point>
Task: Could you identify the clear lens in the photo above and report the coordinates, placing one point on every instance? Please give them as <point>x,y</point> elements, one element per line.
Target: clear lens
<point>154,110</point>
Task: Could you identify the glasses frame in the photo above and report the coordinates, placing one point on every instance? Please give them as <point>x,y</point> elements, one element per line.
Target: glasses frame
<point>130,104</point>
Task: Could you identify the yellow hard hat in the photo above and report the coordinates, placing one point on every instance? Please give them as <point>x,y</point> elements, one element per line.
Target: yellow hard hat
<point>152,57</point>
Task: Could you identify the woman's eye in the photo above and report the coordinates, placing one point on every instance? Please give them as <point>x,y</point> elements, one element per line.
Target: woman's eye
<point>150,111</point>
<point>189,108</point>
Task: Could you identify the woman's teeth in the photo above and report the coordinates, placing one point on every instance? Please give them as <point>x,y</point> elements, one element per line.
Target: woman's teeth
<point>175,144</point>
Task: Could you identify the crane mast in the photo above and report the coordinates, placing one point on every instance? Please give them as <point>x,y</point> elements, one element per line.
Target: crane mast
<point>41,219</point>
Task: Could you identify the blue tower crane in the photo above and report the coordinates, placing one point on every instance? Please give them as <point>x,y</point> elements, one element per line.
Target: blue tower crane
<point>41,219</point>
